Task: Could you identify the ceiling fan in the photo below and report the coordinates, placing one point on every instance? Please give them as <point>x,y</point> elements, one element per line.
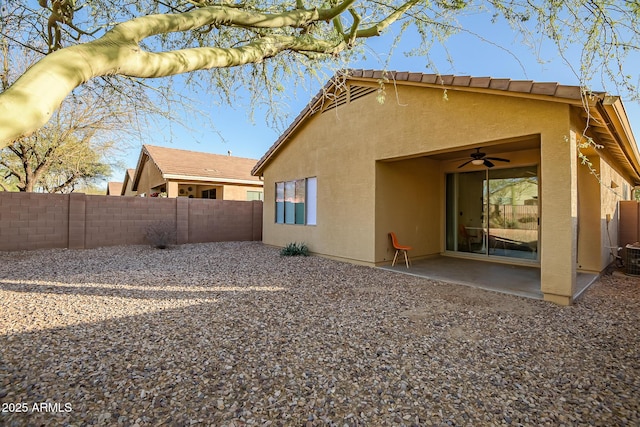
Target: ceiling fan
<point>479,158</point>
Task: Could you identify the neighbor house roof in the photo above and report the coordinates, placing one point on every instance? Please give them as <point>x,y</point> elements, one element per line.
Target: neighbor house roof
<point>606,114</point>
<point>114,188</point>
<point>185,165</point>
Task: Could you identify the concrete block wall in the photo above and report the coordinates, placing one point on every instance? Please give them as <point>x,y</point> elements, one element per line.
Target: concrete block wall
<point>33,221</point>
<point>224,220</point>
<point>125,220</point>
<point>629,225</point>
<point>38,221</point>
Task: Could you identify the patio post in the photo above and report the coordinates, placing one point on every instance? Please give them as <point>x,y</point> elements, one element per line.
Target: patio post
<point>559,216</point>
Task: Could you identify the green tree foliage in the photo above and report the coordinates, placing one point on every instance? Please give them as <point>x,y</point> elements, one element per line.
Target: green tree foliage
<point>68,151</point>
<point>42,162</point>
<point>74,148</point>
<point>258,43</point>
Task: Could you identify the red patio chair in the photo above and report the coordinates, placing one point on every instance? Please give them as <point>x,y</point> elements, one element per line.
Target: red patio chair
<point>399,248</point>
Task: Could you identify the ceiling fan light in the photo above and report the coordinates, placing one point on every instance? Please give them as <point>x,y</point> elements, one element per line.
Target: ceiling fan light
<point>477,162</point>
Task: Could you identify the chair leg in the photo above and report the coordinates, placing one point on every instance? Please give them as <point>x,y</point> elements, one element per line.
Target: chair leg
<point>406,259</point>
<point>394,259</point>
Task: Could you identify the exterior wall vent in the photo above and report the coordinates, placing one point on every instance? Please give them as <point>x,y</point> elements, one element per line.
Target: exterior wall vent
<point>342,97</point>
<point>360,91</point>
<point>334,100</point>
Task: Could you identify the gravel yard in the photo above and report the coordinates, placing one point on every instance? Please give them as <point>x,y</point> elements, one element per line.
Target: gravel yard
<point>232,334</point>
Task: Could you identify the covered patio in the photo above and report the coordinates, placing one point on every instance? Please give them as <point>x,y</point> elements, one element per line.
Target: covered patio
<point>492,173</point>
<point>509,279</point>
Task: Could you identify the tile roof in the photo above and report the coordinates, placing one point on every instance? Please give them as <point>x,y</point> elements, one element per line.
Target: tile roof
<point>508,85</point>
<point>549,90</point>
<point>175,162</point>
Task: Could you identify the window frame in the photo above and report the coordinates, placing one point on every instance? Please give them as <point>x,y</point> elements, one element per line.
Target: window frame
<point>292,202</point>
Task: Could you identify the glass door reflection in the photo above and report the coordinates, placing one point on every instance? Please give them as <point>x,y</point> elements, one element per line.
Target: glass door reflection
<point>466,225</point>
<point>512,212</point>
<point>493,212</point>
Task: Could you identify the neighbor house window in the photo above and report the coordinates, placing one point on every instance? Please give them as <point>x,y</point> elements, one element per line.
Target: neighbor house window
<point>209,194</point>
<point>296,201</point>
<point>254,195</point>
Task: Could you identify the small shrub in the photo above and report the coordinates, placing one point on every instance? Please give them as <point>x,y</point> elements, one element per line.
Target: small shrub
<point>161,234</point>
<point>295,249</point>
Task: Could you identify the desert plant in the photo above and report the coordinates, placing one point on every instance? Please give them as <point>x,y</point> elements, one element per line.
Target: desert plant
<point>295,249</point>
<point>161,234</point>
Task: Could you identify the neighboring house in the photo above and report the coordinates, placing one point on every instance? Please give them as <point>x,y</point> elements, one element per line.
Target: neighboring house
<point>182,173</point>
<point>114,188</point>
<point>128,183</point>
<point>350,169</point>
<point>122,188</point>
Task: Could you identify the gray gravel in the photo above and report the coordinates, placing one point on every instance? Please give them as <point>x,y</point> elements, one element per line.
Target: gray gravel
<point>232,334</point>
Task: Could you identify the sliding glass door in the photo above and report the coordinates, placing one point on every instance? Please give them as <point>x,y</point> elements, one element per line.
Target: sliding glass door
<point>493,212</point>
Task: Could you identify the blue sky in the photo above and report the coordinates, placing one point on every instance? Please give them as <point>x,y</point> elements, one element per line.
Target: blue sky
<point>502,55</point>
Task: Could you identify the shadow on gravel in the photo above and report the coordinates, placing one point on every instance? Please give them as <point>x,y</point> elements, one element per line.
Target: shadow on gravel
<point>339,345</point>
<point>128,291</point>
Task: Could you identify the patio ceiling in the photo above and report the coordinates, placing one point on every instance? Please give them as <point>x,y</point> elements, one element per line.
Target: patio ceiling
<point>530,142</point>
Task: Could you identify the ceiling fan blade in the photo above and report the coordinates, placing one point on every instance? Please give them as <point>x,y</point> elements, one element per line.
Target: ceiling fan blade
<point>488,164</point>
<point>498,159</point>
<point>465,163</point>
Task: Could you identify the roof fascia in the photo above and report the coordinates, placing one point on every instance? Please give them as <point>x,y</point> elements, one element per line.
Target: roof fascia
<point>124,186</point>
<point>618,124</point>
<point>125,182</point>
<point>174,177</point>
<point>474,89</point>
<point>310,109</point>
<point>141,161</point>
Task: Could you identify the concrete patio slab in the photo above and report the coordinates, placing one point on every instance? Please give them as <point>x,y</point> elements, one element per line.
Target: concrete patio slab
<point>517,280</point>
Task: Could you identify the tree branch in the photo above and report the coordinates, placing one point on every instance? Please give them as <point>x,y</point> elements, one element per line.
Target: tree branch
<point>70,180</point>
<point>139,29</point>
<point>11,171</point>
<point>31,100</point>
<point>377,29</point>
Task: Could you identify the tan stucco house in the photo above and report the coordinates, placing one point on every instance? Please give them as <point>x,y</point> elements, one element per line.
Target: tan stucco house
<point>182,173</point>
<point>122,188</point>
<point>479,168</point>
<point>127,184</point>
<point>114,188</point>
